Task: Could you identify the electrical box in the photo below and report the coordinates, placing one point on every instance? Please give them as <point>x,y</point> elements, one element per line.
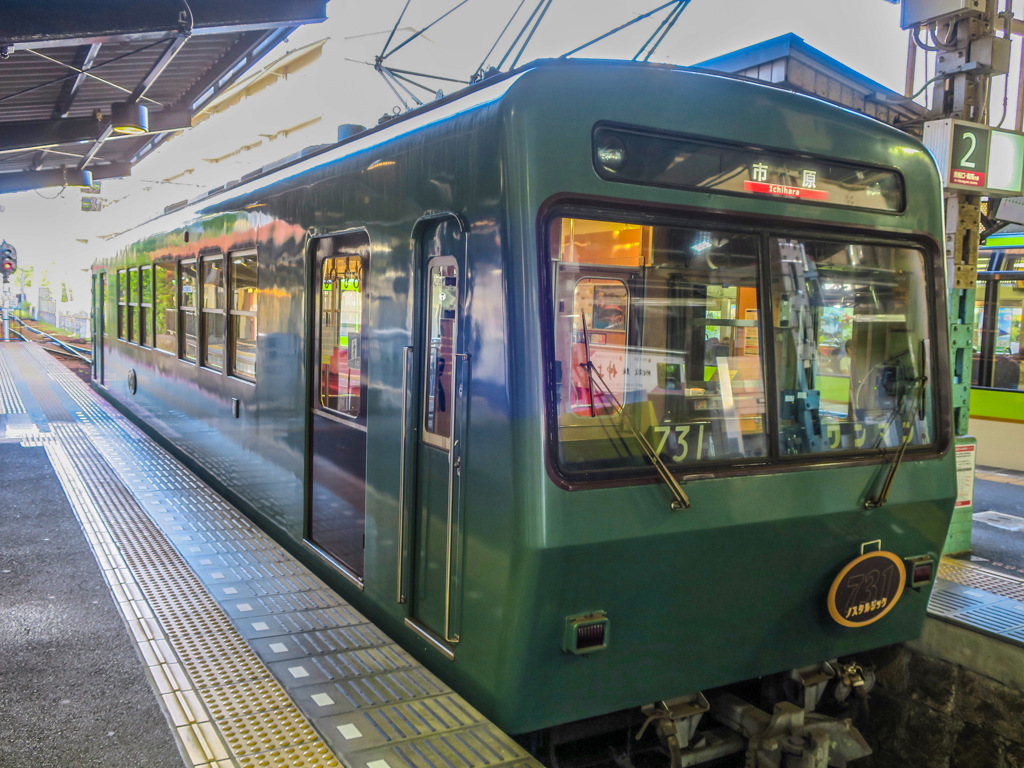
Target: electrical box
<point>915,12</point>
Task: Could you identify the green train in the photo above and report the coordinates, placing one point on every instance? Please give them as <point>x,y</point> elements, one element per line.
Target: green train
<point>997,391</point>
<point>598,385</point>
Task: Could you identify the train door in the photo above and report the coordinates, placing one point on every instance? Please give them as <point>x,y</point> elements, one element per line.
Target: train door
<point>337,489</point>
<point>99,308</point>
<point>444,372</point>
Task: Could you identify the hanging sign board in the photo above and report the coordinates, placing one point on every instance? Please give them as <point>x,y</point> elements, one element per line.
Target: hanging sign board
<point>977,158</point>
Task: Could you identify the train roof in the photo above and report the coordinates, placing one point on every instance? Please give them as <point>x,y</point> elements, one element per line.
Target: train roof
<point>494,88</point>
<point>499,82</point>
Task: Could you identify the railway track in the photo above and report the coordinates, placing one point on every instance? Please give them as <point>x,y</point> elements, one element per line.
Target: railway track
<point>70,350</point>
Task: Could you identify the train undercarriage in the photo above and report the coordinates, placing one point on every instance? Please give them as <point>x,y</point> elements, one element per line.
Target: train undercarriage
<point>805,718</point>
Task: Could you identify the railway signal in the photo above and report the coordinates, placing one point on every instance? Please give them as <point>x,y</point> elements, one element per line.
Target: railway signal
<point>8,266</point>
<point>8,259</point>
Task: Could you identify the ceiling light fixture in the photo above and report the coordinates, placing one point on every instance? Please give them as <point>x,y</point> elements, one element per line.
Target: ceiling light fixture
<point>129,118</point>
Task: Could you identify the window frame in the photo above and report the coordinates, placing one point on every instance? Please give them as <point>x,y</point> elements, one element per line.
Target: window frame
<point>184,311</point>
<point>231,350</point>
<point>208,312</point>
<point>121,299</point>
<point>430,384</point>
<point>105,308</point>
<point>166,265</point>
<point>133,305</point>
<point>1001,270</point>
<point>764,228</point>
<point>146,336</point>
<point>360,239</point>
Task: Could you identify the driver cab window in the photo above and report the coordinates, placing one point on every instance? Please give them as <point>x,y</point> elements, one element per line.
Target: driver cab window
<point>657,339</point>
<point>851,346</point>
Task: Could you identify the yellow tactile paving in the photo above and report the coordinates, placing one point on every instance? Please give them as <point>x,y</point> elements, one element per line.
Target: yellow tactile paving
<point>999,476</point>
<point>225,707</point>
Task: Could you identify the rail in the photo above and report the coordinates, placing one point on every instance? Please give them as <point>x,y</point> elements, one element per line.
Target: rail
<point>67,348</point>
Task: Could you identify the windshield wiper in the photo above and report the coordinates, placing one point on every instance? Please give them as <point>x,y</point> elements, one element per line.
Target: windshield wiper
<point>883,494</point>
<point>586,353</point>
<point>680,500</point>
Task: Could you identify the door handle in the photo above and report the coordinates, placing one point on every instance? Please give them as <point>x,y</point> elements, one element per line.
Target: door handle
<point>404,449</point>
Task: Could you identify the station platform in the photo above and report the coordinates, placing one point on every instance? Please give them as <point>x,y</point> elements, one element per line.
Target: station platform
<point>145,621</point>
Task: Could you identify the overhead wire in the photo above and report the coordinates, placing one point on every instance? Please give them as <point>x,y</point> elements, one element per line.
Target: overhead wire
<point>384,50</point>
<point>480,69</point>
<point>398,78</point>
<point>521,33</point>
<point>526,42</point>
<point>395,78</point>
<point>619,29</point>
<point>663,28</point>
<point>416,34</point>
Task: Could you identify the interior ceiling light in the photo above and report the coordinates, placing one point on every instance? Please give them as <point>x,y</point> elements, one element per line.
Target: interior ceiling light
<point>128,118</point>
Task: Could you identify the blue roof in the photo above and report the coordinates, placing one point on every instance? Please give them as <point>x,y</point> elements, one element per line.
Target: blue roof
<point>780,47</point>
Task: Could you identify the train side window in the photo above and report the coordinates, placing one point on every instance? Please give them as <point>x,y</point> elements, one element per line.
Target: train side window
<point>243,286</point>
<point>164,310</point>
<point>122,304</point>
<point>998,307</point>
<point>133,305</point>
<point>213,308</point>
<point>188,318</point>
<point>106,308</point>
<point>341,321</point>
<point>146,306</point>
<point>1006,368</point>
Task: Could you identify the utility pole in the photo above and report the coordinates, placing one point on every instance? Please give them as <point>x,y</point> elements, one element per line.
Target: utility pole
<point>971,42</point>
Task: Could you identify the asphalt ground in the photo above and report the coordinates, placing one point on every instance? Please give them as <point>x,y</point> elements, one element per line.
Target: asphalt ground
<point>997,536</point>
<point>73,693</point>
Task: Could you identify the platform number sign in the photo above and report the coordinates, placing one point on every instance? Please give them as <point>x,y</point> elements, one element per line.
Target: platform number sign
<point>866,589</point>
<point>977,158</point>
<point>969,161</point>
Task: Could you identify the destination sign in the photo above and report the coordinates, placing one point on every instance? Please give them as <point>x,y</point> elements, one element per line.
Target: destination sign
<point>764,188</point>
<point>641,157</point>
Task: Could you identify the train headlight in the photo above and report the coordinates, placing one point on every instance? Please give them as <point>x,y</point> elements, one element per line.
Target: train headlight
<point>611,153</point>
<point>586,633</point>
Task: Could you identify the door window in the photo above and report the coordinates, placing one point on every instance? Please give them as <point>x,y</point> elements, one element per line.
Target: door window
<point>341,321</point>
<point>442,293</point>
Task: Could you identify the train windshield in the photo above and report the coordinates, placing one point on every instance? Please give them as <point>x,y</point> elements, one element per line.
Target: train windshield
<point>721,346</point>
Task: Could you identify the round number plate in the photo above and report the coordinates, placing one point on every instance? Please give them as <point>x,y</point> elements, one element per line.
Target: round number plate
<point>867,589</point>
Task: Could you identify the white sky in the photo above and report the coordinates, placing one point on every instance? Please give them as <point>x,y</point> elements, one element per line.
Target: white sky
<point>50,231</point>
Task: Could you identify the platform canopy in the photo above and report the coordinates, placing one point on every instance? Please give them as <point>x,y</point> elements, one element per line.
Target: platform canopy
<point>789,62</point>
<point>74,74</point>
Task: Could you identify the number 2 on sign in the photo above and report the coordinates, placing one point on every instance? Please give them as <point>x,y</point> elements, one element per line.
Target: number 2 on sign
<point>681,432</point>
<point>965,161</point>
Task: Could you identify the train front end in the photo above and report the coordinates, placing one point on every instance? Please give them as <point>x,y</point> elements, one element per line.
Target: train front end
<point>732,335</point>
